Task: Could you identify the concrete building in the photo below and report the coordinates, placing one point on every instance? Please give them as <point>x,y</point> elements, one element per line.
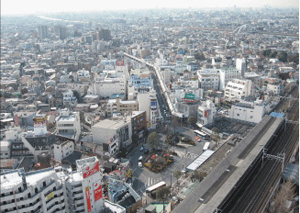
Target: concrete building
<point>63,149</point>
<point>148,102</point>
<point>108,86</point>
<point>248,111</point>
<point>228,74</point>
<point>124,107</point>
<point>206,113</point>
<point>139,124</point>
<point>56,190</point>
<point>69,99</point>
<point>237,90</point>
<point>241,66</point>
<point>108,129</point>
<point>5,149</point>
<point>209,79</point>
<point>274,86</point>
<point>68,124</point>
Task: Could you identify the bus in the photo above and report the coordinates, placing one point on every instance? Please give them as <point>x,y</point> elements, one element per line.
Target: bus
<point>200,134</point>
<point>206,146</point>
<point>151,191</point>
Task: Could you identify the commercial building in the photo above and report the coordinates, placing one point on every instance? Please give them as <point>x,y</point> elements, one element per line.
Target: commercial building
<point>124,107</point>
<point>148,102</point>
<point>55,190</point>
<point>206,113</point>
<point>107,129</point>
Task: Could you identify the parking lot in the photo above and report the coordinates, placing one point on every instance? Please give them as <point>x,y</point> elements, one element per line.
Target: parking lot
<point>231,126</point>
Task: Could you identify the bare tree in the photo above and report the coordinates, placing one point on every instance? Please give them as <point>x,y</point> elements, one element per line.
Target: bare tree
<point>285,193</point>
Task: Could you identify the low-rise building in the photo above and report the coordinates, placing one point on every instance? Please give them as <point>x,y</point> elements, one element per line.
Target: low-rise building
<point>68,124</point>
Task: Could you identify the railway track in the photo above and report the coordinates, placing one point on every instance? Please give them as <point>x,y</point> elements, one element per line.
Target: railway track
<point>253,191</point>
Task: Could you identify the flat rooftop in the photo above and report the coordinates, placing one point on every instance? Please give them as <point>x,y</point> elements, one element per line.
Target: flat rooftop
<point>213,188</point>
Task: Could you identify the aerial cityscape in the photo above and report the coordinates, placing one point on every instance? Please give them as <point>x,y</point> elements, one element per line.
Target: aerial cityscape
<point>149,109</point>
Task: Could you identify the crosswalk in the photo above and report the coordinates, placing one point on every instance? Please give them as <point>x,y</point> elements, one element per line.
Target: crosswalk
<point>152,181</point>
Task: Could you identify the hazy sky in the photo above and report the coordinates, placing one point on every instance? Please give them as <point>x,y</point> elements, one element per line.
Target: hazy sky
<point>9,7</point>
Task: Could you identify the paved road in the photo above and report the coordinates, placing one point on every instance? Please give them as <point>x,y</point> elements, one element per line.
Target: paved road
<point>145,178</point>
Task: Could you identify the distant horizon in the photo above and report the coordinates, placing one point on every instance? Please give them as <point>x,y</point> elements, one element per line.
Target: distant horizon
<point>36,7</point>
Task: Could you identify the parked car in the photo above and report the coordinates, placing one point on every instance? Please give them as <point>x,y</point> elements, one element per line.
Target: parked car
<point>140,164</point>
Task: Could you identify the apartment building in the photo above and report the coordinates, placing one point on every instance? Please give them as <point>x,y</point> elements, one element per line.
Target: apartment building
<point>117,105</point>
<point>228,74</point>
<point>238,89</point>
<point>68,124</point>
<point>206,113</point>
<point>209,79</point>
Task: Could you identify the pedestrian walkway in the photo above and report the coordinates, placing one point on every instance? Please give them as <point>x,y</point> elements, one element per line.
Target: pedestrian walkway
<point>152,181</point>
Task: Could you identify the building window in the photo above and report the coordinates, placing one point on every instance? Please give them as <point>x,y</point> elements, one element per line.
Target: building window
<point>237,114</point>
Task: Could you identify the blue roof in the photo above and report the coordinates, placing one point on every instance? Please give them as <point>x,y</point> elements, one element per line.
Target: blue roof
<point>277,115</point>
<point>291,172</point>
<point>114,96</point>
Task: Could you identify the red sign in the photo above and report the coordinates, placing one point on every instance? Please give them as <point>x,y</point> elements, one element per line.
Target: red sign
<point>16,120</point>
<point>120,63</point>
<point>89,170</point>
<point>205,115</point>
<point>188,100</point>
<point>88,199</point>
<point>97,190</point>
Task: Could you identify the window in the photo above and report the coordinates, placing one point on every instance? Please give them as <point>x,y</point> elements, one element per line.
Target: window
<point>237,114</point>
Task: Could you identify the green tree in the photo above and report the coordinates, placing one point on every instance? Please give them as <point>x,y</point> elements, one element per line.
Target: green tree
<point>215,130</point>
<point>177,174</point>
<point>192,120</point>
<point>152,140</point>
<point>282,56</point>
<point>199,56</point>
<point>163,193</point>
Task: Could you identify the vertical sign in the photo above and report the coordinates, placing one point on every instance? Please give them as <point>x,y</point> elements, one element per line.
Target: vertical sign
<point>97,190</point>
<point>88,199</point>
<point>16,120</point>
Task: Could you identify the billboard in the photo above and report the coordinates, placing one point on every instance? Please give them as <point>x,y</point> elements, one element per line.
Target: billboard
<point>153,104</point>
<point>186,100</point>
<point>91,169</point>
<point>97,190</point>
<point>189,96</point>
<point>88,199</point>
<point>120,63</point>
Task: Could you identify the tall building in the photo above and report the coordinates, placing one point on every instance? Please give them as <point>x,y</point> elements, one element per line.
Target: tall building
<point>104,34</point>
<point>228,74</point>
<point>56,190</point>
<point>43,32</point>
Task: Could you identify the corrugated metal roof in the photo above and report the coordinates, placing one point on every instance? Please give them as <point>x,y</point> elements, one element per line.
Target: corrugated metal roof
<point>200,160</point>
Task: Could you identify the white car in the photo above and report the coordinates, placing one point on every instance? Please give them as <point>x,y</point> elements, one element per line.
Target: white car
<point>140,164</point>
<point>140,158</point>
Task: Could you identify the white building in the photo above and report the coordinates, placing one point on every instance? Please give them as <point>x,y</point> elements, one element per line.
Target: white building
<point>148,102</point>
<point>5,149</point>
<point>55,190</point>
<point>247,111</point>
<point>241,65</point>
<point>68,124</point>
<point>206,113</point>
<point>167,75</point>
<point>238,89</point>
<point>108,86</point>
<point>83,75</point>
<point>228,74</point>
<point>209,79</point>
<point>106,130</point>
<point>273,86</point>
<point>63,149</point>
<point>69,99</point>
